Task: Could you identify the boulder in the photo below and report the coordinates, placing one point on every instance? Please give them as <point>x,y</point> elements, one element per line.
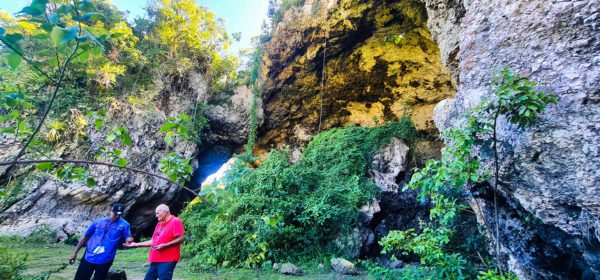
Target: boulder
<point>343,266</point>
<point>290,269</point>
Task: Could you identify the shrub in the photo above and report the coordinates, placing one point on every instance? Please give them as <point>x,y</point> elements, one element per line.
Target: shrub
<point>283,211</point>
<point>11,264</point>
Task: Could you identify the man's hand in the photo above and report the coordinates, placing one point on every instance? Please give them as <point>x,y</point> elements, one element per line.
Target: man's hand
<point>129,240</point>
<point>129,244</point>
<point>160,247</point>
<point>73,258</point>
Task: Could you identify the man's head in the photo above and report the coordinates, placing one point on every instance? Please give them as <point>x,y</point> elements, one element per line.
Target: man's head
<point>117,211</point>
<point>162,212</point>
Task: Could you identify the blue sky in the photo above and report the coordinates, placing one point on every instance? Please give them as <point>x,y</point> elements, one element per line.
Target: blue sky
<point>243,16</point>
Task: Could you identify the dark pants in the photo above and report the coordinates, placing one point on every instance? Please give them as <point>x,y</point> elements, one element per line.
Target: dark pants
<point>160,271</point>
<point>86,269</point>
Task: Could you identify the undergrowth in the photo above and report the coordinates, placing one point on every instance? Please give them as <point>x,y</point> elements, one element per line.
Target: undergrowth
<point>284,211</point>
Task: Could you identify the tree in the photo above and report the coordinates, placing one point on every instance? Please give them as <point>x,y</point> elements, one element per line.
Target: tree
<point>60,42</point>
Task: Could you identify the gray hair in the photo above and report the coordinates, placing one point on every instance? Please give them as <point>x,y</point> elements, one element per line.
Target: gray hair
<point>163,208</point>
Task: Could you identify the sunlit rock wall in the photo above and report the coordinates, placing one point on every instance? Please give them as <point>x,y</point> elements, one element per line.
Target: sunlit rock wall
<point>381,63</point>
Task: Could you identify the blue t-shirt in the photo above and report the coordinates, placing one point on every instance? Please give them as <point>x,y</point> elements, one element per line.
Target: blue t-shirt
<point>108,234</point>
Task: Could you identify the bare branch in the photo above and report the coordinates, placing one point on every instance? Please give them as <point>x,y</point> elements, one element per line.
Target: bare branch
<point>87,162</point>
<point>56,88</point>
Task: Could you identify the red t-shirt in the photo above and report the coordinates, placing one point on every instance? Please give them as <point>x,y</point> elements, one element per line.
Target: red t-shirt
<point>163,233</point>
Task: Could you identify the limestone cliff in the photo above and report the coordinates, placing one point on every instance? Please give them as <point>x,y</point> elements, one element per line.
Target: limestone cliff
<point>380,63</point>
<point>550,184</point>
<point>549,181</point>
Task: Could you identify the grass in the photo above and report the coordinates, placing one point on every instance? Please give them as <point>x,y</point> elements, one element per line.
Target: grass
<point>46,257</point>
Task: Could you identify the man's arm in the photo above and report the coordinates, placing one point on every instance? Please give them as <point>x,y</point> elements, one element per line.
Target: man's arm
<point>127,235</point>
<point>139,244</point>
<point>86,236</point>
<point>82,241</point>
<point>178,240</point>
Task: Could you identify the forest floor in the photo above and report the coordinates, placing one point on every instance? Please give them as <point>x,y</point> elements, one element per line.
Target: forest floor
<point>46,257</point>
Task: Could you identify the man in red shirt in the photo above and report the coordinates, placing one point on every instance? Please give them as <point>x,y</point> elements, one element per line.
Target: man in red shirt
<point>165,246</point>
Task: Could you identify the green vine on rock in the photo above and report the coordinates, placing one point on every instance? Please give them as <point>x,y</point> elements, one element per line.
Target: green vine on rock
<point>445,181</point>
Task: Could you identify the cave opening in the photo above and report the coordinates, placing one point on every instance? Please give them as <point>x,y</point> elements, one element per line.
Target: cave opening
<point>212,163</point>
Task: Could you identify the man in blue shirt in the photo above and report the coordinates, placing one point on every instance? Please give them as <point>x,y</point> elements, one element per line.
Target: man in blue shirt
<point>103,238</point>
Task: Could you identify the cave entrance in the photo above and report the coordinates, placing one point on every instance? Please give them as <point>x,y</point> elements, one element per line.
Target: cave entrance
<point>212,164</point>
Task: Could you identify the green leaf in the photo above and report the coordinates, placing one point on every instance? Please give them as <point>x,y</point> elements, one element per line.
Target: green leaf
<point>61,35</point>
<point>27,105</point>
<point>92,17</point>
<point>47,27</point>
<point>10,129</point>
<point>111,137</point>
<point>14,38</point>
<point>169,138</point>
<point>126,139</point>
<point>11,100</point>
<point>33,11</point>
<point>90,182</point>
<point>122,162</point>
<point>96,51</point>
<point>53,62</point>
<point>40,36</point>
<point>14,114</point>
<point>21,125</point>
<point>89,35</point>
<point>166,127</point>
<point>98,123</point>
<point>53,18</point>
<point>84,55</point>
<point>44,166</point>
<point>13,60</point>
<point>85,5</point>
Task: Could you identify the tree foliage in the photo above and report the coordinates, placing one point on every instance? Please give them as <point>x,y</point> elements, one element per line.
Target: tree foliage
<point>67,60</point>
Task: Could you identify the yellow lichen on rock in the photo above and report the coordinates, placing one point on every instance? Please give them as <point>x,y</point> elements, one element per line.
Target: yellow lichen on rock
<point>365,114</point>
<point>422,117</point>
<point>381,62</point>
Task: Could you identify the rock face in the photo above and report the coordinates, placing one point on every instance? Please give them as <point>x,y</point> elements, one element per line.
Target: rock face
<point>395,210</point>
<point>550,183</point>
<point>388,164</point>
<point>380,62</point>
<point>69,207</point>
<point>230,121</point>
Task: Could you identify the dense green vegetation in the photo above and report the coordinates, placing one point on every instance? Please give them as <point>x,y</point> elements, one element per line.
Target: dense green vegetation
<point>284,211</point>
<point>67,61</point>
<point>71,65</point>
